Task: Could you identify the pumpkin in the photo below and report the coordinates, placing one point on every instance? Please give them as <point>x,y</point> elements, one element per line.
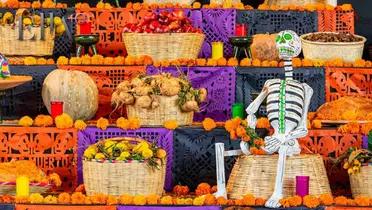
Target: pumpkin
<point>180,190</point>
<point>76,89</point>
<point>263,47</point>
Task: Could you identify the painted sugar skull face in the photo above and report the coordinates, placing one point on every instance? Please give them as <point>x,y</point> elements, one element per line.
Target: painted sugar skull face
<point>288,44</point>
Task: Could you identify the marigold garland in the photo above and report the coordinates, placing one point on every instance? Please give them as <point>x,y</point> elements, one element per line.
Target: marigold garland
<point>112,200</point>
<point>263,122</point>
<point>209,199</point>
<point>36,198</point>
<point>22,199</point>
<point>199,201</point>
<point>64,198</point>
<point>50,199</point>
<point>125,199</point>
<point>311,201</point>
<point>203,189</point>
<point>153,199</point>
<point>134,123</point>
<point>99,198</point>
<point>326,199</point>
<point>78,198</point>
<point>166,200</point>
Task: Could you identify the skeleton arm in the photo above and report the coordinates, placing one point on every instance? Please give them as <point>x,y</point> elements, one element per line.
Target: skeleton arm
<point>253,107</point>
<point>301,131</point>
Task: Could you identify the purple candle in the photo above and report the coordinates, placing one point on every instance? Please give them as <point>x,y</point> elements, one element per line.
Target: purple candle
<point>302,185</point>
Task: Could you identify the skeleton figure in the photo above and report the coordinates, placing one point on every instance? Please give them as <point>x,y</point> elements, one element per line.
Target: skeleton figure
<point>287,106</point>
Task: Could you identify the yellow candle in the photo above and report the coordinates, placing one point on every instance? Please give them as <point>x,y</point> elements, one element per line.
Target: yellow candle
<point>217,50</point>
<point>22,186</point>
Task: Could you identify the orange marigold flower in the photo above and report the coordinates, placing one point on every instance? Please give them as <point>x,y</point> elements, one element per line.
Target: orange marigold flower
<point>211,62</point>
<point>260,202</point>
<point>265,64</point>
<point>126,199</point>
<point>196,5</point>
<point>362,200</point>
<point>130,60</point>
<point>354,127</point>
<point>368,64</point>
<point>210,200</point>
<point>245,138</point>
<point>55,179</point>
<point>171,124</point>
<point>366,128</point>
<point>274,8</point>
<point>239,202</point>
<point>119,60</point>
<point>285,202</point>
<point>134,123</point>
<point>8,199</point>
<point>213,189</point>
<point>102,123</point>
<point>346,7</point>
<point>256,62</point>
<point>166,200</point>
<point>248,200</point>
<point>81,188</point>
<point>21,199</point>
<point>263,122</point>
<point>281,64</point>
<point>230,202</point>
<point>253,150</point>
<point>295,201</point>
<point>233,135</point>
<point>222,201</point>
<point>201,61</point>
<point>88,200</point>
<point>245,62</point>
<point>139,200</point>
<point>308,124</point>
<point>153,199</point>
<point>343,129</point>
<point>311,201</point>
<point>296,62</point>
<point>311,115</point>
<point>348,64</point>
<point>307,62</point>
<point>263,7</point>
<point>221,61</point>
<point>43,121</point>
<point>64,198</point>
<point>203,189</point>
<point>112,200</point>
<point>208,124</point>
<point>229,126</point>
<point>198,201</point>
<point>351,202</point>
<point>359,63</point>
<point>320,6</point>
<point>273,63</point>
<point>240,131</point>
<point>310,7</point>
<point>326,199</point>
<point>233,62</point>
<point>316,124</point>
<point>50,200</point>
<point>318,63</point>
<point>78,198</point>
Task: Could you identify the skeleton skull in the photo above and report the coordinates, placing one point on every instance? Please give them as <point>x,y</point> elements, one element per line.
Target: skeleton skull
<point>288,44</point>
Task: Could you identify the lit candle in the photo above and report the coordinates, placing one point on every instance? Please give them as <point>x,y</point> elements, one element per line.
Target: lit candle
<point>217,50</point>
<point>302,185</point>
<point>57,108</point>
<point>85,28</point>
<point>241,30</point>
<point>22,186</point>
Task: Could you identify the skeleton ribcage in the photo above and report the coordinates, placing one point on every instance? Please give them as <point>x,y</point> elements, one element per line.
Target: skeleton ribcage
<point>291,105</point>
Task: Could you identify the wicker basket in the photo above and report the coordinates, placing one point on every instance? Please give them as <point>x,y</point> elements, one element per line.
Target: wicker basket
<point>10,44</point>
<point>281,3</point>
<point>9,188</point>
<point>347,51</point>
<point>256,175</point>
<point>170,46</point>
<point>180,2</point>
<point>168,110</point>
<point>119,177</point>
<point>361,183</point>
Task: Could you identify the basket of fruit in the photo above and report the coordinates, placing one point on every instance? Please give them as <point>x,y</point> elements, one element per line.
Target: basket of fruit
<point>167,36</point>
<point>329,45</point>
<point>32,42</point>
<point>124,165</point>
<point>39,182</point>
<point>159,98</point>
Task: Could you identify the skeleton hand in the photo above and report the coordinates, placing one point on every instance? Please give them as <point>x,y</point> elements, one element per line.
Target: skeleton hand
<point>252,121</point>
<point>272,143</point>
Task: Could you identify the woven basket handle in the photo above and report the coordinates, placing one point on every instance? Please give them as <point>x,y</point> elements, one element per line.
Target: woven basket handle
<point>126,138</point>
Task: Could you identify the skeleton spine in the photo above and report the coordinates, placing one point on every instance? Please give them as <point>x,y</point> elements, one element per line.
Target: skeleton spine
<point>288,69</point>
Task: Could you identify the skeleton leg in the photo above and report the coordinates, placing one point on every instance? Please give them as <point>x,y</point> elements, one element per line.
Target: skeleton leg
<point>273,202</point>
<point>220,164</point>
